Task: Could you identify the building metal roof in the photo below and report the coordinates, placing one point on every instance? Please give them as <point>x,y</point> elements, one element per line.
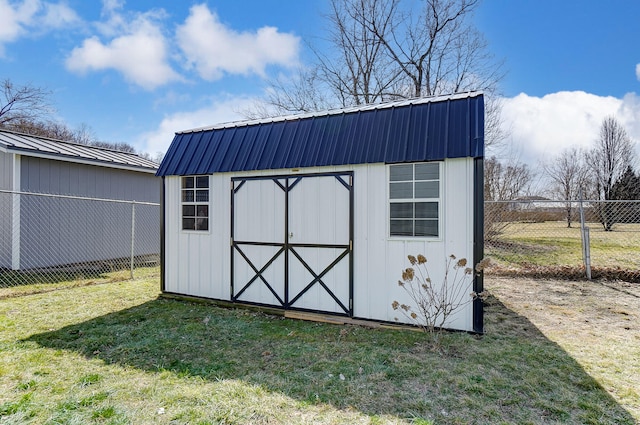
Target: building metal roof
<point>425,129</point>
<point>42,147</point>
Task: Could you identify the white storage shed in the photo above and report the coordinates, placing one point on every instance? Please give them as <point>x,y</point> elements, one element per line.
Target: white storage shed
<point>318,212</point>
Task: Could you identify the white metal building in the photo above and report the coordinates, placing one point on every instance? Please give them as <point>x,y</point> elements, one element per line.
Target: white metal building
<point>318,212</point>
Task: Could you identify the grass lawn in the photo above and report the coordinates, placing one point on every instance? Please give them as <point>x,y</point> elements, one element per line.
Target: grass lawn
<point>551,243</point>
<point>117,354</point>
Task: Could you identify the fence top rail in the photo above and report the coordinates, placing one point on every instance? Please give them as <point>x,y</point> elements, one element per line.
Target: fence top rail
<point>555,201</point>
<point>82,198</point>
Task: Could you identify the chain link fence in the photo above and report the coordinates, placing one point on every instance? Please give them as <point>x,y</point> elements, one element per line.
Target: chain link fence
<point>560,239</point>
<point>53,238</point>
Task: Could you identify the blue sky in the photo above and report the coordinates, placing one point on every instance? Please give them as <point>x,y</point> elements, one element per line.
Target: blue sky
<point>137,71</point>
<point>565,45</point>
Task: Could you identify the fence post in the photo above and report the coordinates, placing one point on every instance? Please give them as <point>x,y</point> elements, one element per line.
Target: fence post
<point>586,244</point>
<point>15,230</point>
<point>133,235</point>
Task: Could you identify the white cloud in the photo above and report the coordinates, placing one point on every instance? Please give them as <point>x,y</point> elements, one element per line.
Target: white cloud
<point>214,49</point>
<point>58,15</point>
<point>159,139</point>
<point>111,6</point>
<point>541,127</point>
<point>32,17</point>
<point>14,20</point>
<point>10,27</point>
<point>638,71</point>
<point>115,22</point>
<point>140,55</point>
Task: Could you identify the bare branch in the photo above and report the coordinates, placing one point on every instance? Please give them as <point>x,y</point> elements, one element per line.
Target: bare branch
<point>383,50</point>
<point>610,157</point>
<point>568,174</point>
<point>505,182</point>
<point>23,103</point>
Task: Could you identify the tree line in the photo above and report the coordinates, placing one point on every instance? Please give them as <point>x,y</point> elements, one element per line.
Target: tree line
<point>604,172</point>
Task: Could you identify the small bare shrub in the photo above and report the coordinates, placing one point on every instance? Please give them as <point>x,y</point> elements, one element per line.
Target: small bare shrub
<point>433,303</point>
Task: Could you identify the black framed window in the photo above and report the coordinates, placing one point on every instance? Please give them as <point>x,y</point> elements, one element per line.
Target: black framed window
<point>414,199</point>
<point>195,202</point>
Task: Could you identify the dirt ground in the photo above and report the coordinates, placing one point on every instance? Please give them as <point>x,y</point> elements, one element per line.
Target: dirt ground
<point>596,322</point>
<point>595,307</point>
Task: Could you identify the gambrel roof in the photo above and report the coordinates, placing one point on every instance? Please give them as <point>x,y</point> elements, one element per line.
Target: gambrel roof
<point>424,129</point>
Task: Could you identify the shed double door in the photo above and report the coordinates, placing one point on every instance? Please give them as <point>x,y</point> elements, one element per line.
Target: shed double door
<point>291,242</point>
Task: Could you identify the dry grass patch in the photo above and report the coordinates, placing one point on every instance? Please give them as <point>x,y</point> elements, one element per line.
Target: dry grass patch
<point>597,323</point>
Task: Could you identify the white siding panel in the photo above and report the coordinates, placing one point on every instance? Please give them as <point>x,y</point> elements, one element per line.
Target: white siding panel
<point>459,228</point>
<point>196,263</point>
<point>171,234</point>
<point>378,259</point>
<point>369,245</point>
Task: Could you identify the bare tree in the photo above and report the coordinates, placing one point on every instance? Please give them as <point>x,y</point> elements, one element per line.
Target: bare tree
<point>382,50</point>
<point>360,71</point>
<point>568,174</point>
<point>607,161</point>
<point>435,49</point>
<point>117,146</point>
<point>611,155</point>
<point>26,109</point>
<point>84,135</point>
<point>504,182</point>
<point>49,129</point>
<point>59,131</point>
<point>26,103</point>
<point>293,94</point>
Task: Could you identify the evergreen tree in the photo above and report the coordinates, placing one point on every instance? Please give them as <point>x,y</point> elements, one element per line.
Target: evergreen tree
<point>627,187</point>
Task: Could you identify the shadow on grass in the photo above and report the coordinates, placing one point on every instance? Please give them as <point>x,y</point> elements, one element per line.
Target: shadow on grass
<point>512,374</point>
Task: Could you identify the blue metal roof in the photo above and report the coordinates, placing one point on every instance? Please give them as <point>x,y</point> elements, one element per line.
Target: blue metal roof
<point>426,129</point>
